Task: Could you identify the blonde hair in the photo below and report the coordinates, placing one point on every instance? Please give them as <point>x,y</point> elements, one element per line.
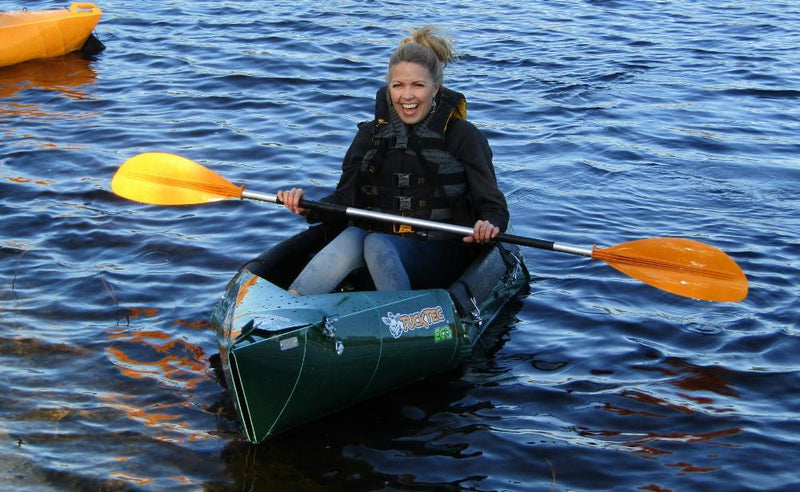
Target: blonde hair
<point>425,46</point>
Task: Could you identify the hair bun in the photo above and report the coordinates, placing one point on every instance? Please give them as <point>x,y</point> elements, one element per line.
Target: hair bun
<point>427,47</point>
<point>433,38</point>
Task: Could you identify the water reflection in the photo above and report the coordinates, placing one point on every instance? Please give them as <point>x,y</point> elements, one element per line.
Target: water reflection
<point>67,75</point>
<point>696,378</point>
<point>23,180</point>
<point>639,406</point>
<point>146,352</point>
<point>172,362</point>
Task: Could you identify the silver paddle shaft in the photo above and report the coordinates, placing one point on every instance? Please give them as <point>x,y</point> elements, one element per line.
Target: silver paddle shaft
<point>428,225</point>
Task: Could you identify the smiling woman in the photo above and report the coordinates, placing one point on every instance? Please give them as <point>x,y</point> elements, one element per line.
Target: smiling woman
<point>418,158</point>
<point>416,73</point>
<point>412,91</point>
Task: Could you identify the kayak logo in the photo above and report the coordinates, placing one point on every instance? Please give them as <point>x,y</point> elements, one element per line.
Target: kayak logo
<point>403,323</point>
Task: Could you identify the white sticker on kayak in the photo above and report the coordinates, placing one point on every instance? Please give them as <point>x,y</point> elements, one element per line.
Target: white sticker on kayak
<point>289,343</point>
<point>401,323</point>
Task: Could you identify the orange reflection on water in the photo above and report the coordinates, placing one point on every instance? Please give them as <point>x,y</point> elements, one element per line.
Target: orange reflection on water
<point>171,370</point>
<point>688,378</point>
<point>653,400</point>
<point>173,363</point>
<point>696,378</point>
<point>714,387</point>
<point>654,488</point>
<point>65,74</point>
<point>626,411</point>
<point>644,444</point>
<point>166,419</point>
<point>19,179</point>
<point>689,468</point>
<point>135,312</point>
<point>68,75</point>
<point>145,481</point>
<point>142,415</point>
<point>202,325</point>
<point>128,477</point>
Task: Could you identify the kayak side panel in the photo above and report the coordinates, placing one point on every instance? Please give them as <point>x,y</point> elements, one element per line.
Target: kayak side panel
<point>268,365</point>
<point>421,335</point>
<point>285,378</point>
<point>43,34</point>
<point>487,285</point>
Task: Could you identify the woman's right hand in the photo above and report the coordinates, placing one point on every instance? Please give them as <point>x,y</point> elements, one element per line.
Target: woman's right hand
<point>291,200</point>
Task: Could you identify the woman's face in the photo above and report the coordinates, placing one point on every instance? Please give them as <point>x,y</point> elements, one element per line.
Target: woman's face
<point>412,91</point>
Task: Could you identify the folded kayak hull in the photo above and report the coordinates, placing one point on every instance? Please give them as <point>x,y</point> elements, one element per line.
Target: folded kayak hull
<point>288,360</point>
<point>47,33</point>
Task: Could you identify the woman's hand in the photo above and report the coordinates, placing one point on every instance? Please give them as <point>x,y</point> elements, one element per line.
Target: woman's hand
<point>483,232</point>
<point>291,200</point>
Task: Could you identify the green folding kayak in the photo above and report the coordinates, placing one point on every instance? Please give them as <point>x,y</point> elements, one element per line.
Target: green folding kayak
<point>288,360</point>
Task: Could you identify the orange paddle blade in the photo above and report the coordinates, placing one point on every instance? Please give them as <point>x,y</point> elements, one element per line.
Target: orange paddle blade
<point>680,266</point>
<point>167,179</point>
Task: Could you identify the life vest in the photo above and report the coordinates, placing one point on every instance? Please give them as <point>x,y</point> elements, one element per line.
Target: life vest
<point>408,171</point>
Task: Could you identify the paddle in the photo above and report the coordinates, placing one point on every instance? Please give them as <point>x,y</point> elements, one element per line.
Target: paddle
<point>680,266</point>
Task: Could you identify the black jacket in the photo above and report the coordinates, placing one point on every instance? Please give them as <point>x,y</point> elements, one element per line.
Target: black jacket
<point>464,141</point>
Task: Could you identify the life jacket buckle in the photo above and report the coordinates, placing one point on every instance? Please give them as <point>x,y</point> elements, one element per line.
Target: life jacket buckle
<point>402,180</point>
<point>404,203</point>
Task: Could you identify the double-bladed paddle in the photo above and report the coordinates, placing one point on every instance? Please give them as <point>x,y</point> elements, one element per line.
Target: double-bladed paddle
<point>681,266</point>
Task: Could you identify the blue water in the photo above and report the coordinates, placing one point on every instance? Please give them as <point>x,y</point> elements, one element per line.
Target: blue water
<point>610,121</point>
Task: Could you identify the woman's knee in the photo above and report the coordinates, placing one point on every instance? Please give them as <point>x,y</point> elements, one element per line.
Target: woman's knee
<point>382,256</point>
<point>378,248</point>
<point>351,239</point>
<point>332,264</point>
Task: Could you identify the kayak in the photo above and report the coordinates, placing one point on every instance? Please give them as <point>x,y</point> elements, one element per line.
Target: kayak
<point>46,33</point>
<point>288,360</point>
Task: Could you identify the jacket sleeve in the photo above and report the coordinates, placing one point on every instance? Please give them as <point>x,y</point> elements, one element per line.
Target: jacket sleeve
<point>471,148</point>
<point>345,192</point>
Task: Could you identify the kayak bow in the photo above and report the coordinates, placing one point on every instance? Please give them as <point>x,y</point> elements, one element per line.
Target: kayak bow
<point>30,35</point>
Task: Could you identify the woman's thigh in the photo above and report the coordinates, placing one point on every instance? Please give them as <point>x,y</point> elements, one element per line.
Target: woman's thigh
<point>333,263</point>
<point>401,263</point>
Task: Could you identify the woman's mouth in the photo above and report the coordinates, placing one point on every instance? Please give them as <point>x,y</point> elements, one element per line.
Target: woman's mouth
<point>409,109</point>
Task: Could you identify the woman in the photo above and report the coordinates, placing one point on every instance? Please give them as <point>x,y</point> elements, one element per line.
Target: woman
<point>419,157</point>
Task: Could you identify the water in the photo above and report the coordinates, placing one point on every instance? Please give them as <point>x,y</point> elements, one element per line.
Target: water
<point>610,121</point>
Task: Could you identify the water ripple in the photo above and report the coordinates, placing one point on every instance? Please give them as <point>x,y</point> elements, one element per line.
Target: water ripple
<point>609,120</point>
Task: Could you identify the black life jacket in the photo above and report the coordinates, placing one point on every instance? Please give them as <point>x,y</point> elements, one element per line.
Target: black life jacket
<point>408,171</point>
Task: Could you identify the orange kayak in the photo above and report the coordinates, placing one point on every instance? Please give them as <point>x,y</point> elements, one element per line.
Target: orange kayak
<point>46,33</point>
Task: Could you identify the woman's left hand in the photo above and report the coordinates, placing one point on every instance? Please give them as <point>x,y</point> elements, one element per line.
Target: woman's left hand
<point>483,232</point>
